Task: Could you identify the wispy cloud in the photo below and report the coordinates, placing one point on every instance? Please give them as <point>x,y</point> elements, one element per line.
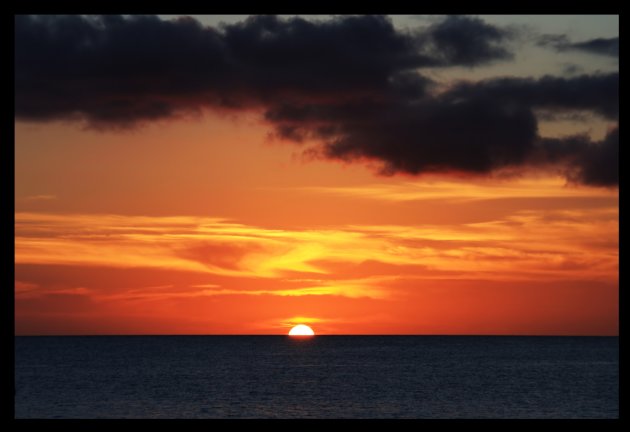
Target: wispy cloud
<point>488,189</point>
<point>548,244</point>
<point>206,274</point>
<point>39,198</point>
<point>600,46</point>
<point>353,288</point>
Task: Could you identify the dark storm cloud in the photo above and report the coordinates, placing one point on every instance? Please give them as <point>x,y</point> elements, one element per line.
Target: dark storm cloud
<point>597,93</point>
<point>343,55</point>
<point>466,41</point>
<point>599,164</point>
<point>112,70</point>
<point>353,83</point>
<point>430,136</point>
<point>601,46</point>
<point>594,163</point>
<point>474,127</point>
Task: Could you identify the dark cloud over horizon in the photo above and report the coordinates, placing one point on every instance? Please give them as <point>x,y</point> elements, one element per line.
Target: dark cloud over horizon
<point>474,127</point>
<point>598,93</point>
<point>355,84</point>
<point>112,69</point>
<point>596,165</point>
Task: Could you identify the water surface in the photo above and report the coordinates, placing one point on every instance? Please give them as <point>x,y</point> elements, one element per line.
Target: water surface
<point>320,377</point>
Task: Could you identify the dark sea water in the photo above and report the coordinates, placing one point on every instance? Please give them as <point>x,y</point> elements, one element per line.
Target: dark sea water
<point>320,377</point>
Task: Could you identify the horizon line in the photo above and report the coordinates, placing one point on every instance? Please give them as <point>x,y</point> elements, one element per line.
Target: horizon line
<point>325,334</point>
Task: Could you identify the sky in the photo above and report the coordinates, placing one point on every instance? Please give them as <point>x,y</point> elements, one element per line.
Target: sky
<point>359,174</point>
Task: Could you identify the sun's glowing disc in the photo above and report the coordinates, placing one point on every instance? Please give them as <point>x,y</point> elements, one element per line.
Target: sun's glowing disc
<point>301,330</point>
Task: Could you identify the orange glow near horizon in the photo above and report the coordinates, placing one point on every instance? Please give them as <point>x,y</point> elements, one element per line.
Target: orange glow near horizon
<point>245,238</point>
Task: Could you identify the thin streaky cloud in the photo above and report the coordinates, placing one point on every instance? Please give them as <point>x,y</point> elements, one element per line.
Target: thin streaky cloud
<point>39,198</point>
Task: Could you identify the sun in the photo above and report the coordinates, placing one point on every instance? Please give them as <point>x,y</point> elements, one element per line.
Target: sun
<point>301,330</point>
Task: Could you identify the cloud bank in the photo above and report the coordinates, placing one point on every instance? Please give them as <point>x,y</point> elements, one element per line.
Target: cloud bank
<point>354,85</point>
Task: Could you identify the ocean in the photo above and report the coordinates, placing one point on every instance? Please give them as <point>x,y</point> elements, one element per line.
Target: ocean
<point>363,377</point>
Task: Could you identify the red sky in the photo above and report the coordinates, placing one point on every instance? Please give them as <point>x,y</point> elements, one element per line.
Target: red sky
<point>212,225</point>
<point>144,244</point>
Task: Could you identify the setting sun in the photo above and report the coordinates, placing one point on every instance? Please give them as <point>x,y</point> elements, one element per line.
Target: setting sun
<point>194,195</point>
<point>301,330</point>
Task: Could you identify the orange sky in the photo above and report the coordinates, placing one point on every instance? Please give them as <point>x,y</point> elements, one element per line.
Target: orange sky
<point>227,180</point>
<point>119,233</point>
